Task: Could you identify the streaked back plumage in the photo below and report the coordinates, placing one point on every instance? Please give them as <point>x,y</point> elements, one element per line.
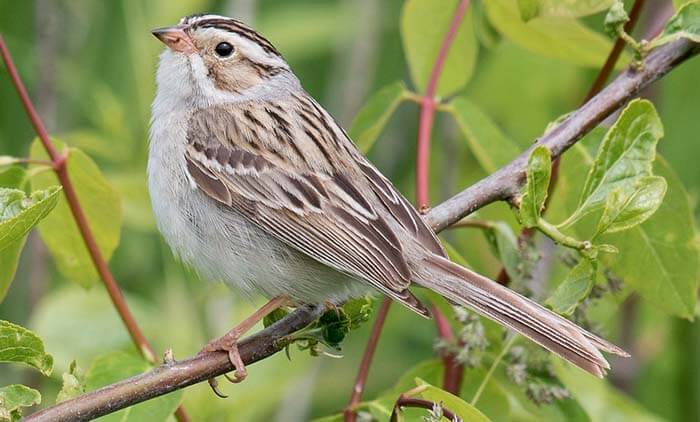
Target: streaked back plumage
<point>267,156</point>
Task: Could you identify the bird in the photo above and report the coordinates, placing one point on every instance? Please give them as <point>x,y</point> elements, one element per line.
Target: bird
<point>254,183</point>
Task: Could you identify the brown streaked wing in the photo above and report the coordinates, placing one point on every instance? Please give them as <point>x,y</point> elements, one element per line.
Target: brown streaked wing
<point>322,215</point>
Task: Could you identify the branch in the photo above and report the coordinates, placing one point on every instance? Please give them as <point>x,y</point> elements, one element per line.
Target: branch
<point>59,164</point>
<point>453,370</point>
<point>504,184</point>
<point>361,379</point>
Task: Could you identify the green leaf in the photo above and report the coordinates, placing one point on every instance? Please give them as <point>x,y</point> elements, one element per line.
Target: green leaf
<point>625,155</point>
<point>274,316</point>
<point>9,259</point>
<point>616,18</point>
<point>372,118</point>
<point>684,24</point>
<point>13,177</point>
<point>117,366</point>
<point>488,143</point>
<point>601,401</point>
<point>73,383</point>
<point>13,398</point>
<point>504,244</point>
<point>460,407</point>
<point>626,210</point>
<point>556,37</point>
<point>17,344</point>
<point>20,212</point>
<point>423,28</point>
<point>575,287</point>
<point>562,8</point>
<point>659,258</point>
<point>102,207</point>
<point>539,171</point>
<point>358,311</point>
<point>529,9</point>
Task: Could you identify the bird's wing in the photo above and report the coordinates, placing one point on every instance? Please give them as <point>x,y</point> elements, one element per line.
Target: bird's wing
<point>296,193</point>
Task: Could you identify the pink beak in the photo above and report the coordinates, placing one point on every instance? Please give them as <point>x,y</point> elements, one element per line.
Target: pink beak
<point>175,38</point>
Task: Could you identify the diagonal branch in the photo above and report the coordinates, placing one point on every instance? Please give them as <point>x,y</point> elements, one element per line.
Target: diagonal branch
<point>504,184</point>
<point>59,163</point>
<point>428,103</point>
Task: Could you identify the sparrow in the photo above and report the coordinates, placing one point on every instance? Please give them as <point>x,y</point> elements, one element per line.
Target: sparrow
<point>254,183</point>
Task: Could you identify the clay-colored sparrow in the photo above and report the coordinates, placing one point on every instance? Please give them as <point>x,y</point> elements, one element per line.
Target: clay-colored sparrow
<point>254,183</point>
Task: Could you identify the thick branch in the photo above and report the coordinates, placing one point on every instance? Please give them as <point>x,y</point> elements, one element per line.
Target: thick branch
<point>505,183</point>
<point>502,185</point>
<point>59,164</point>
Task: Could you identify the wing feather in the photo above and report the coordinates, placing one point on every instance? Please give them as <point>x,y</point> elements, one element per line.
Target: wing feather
<point>317,210</point>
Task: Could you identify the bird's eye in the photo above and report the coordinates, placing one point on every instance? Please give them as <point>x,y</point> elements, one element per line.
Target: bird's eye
<point>223,49</point>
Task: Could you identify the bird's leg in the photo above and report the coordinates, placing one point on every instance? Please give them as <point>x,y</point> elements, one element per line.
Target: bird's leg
<point>229,341</point>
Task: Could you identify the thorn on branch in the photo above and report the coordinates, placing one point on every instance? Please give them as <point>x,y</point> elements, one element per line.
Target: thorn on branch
<point>168,358</point>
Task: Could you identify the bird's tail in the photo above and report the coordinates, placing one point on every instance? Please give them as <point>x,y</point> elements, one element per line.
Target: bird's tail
<point>503,305</point>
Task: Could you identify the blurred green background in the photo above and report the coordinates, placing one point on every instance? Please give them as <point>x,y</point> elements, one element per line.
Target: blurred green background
<point>89,66</point>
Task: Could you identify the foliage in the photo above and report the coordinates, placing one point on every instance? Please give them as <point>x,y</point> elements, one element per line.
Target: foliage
<point>627,214</point>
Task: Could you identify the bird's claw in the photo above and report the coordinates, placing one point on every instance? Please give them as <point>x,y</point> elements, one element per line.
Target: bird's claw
<point>214,384</point>
<point>229,345</point>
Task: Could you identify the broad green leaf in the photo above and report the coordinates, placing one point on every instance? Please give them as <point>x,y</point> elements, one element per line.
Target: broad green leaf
<point>17,344</point>
<point>626,210</point>
<point>372,118</point>
<point>659,258</point>
<point>600,400</point>
<point>504,245</point>
<point>117,366</point>
<point>575,287</point>
<point>101,205</point>
<point>539,171</point>
<point>563,8</point>
<point>684,24</point>
<point>423,29</point>
<point>13,177</point>
<point>616,18</point>
<point>9,259</point>
<point>13,398</point>
<point>557,37</point>
<point>20,212</point>
<point>625,155</point>
<point>487,142</point>
<point>458,406</point>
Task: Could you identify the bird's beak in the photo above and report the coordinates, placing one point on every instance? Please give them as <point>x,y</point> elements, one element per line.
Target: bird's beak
<point>175,38</point>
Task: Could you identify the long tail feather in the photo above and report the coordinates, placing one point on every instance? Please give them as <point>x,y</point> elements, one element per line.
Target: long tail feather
<point>503,305</point>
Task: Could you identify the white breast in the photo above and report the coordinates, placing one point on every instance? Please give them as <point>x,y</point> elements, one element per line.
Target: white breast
<point>215,240</point>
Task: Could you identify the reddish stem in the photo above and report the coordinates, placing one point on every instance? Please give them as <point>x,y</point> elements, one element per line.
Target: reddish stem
<point>452,378</point>
<point>614,55</point>
<point>60,167</point>
<point>427,111</point>
<point>363,371</point>
<point>453,371</point>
